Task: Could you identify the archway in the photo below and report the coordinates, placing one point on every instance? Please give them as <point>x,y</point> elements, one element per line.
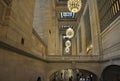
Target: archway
<point>111,73</point>
<point>73,75</point>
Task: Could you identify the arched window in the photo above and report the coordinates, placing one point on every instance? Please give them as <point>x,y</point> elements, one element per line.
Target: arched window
<point>111,73</point>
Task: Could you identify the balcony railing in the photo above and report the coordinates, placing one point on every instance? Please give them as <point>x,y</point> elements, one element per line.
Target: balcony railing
<point>85,58</point>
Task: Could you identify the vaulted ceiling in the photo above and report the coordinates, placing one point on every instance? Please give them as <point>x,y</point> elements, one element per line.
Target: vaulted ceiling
<point>65,17</point>
<point>50,14</point>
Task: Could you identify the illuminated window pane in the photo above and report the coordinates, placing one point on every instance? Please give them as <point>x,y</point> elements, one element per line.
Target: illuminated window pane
<point>67,15</point>
<point>66,26</point>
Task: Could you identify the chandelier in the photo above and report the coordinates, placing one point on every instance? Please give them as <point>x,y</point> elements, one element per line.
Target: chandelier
<point>67,49</point>
<point>74,5</point>
<point>68,43</point>
<point>69,32</point>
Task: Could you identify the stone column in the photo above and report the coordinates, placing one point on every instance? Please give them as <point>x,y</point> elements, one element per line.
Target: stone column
<point>74,46</point>
<point>60,44</point>
<point>52,28</point>
<point>94,20</point>
<point>79,40</point>
<point>57,38</point>
<point>83,36</point>
<point>77,35</point>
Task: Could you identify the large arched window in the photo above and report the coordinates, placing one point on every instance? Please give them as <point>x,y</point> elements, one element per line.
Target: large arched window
<point>111,73</point>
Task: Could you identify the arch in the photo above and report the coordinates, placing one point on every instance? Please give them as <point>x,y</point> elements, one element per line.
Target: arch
<point>92,67</point>
<point>111,73</point>
<point>60,68</point>
<point>76,75</point>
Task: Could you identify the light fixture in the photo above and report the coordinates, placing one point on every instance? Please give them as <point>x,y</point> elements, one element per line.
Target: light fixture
<point>68,43</point>
<point>69,32</point>
<point>67,49</point>
<point>74,5</point>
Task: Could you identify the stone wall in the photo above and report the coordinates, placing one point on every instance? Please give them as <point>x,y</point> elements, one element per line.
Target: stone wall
<point>19,24</point>
<point>16,67</point>
<point>18,30</point>
<point>18,33</point>
<point>38,47</point>
<point>111,40</point>
<point>111,45</point>
<point>17,36</point>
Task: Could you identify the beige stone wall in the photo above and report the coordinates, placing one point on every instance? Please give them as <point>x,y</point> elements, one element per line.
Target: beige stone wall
<point>19,24</point>
<point>111,40</point>
<point>16,67</point>
<point>38,47</point>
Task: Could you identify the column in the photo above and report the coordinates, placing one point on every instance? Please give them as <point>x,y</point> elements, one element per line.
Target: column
<point>77,35</point>
<point>95,30</point>
<point>74,46</point>
<point>57,38</point>
<point>60,43</point>
<point>83,36</point>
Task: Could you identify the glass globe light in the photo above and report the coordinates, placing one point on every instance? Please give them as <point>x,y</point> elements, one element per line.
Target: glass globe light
<point>74,5</point>
<point>68,43</point>
<point>67,49</point>
<point>69,32</point>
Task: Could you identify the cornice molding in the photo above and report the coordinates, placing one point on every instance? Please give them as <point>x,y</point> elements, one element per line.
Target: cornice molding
<point>47,59</point>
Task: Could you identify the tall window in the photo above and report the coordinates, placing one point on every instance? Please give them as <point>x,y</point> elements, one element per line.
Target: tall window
<point>109,10</point>
<point>87,28</point>
<point>68,15</point>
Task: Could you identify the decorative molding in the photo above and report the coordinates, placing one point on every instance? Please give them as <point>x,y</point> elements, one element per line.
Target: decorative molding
<point>48,60</point>
<point>35,33</point>
<point>113,48</point>
<point>19,51</point>
<point>111,26</point>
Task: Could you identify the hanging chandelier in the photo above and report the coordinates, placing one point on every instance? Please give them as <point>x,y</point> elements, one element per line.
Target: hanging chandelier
<point>68,43</point>
<point>74,5</point>
<point>69,32</point>
<point>67,49</point>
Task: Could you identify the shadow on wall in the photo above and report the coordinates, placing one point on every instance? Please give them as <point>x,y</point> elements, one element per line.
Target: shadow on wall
<point>111,73</point>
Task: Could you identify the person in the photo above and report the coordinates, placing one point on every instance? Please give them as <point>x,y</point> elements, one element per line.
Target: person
<point>39,79</point>
<point>100,79</point>
<point>70,78</point>
<point>54,79</point>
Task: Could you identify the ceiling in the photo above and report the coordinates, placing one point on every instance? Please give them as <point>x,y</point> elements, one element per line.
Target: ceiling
<point>68,20</point>
<point>49,13</point>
